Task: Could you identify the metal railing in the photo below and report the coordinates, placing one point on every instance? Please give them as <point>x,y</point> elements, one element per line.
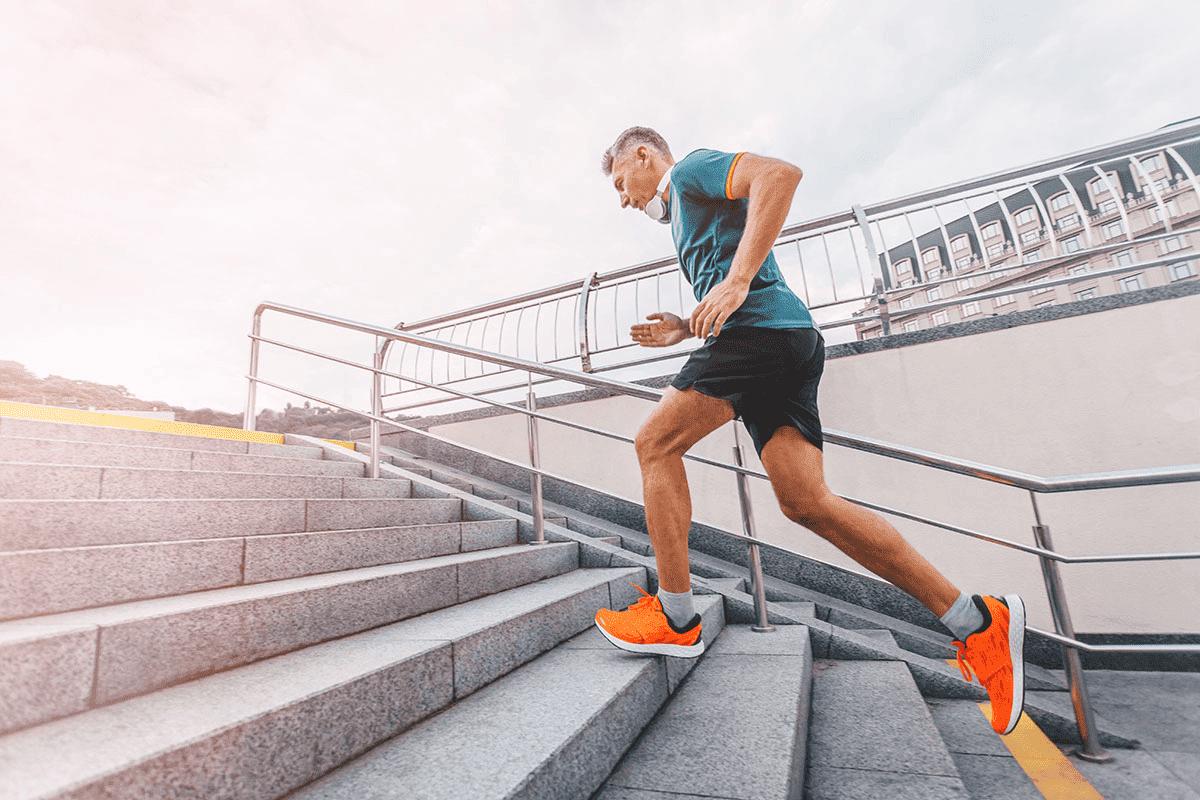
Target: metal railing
<point>1049,559</point>
<point>845,258</point>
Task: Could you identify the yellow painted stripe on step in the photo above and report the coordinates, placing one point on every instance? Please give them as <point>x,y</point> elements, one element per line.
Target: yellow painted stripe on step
<point>1052,773</point>
<point>78,416</point>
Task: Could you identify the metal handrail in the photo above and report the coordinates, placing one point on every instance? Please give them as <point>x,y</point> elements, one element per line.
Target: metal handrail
<point>858,319</point>
<point>1033,484</point>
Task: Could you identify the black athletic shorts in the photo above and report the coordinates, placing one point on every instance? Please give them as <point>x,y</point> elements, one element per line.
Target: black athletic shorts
<point>770,375</point>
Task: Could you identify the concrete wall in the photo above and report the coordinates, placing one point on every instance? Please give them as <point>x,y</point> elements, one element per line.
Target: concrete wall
<point>1112,390</point>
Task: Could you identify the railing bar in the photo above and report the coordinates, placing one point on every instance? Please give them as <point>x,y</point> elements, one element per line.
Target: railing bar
<point>862,283</point>
<point>829,262</point>
<point>803,277</point>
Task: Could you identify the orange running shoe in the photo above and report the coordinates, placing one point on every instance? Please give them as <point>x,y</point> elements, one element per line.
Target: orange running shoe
<point>643,627</point>
<point>995,652</point>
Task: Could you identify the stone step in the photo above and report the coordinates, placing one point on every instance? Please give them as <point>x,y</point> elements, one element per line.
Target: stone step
<point>881,635</point>
<point>75,432</point>
<point>553,728</point>
<point>135,648</point>
<point>802,609</point>
<point>262,730</point>
<point>40,524</point>
<point>114,454</point>
<point>747,704</point>
<point>871,735</point>
<point>986,765</point>
<point>26,481</point>
<point>63,579</point>
<point>717,585</point>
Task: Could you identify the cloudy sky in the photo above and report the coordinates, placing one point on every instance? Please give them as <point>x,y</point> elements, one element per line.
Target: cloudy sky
<point>164,167</point>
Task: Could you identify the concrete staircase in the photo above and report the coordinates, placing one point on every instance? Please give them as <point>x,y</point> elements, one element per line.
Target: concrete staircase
<point>211,618</point>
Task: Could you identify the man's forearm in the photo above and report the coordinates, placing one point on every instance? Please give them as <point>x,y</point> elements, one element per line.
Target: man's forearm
<point>770,201</point>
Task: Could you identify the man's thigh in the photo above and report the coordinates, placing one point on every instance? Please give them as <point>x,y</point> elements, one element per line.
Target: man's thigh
<point>682,418</point>
<point>796,468</point>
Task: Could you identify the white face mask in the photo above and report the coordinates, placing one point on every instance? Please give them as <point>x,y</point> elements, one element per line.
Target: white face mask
<point>656,209</point>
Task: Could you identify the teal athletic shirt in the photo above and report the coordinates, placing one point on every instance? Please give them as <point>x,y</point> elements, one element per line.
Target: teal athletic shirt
<point>707,224</point>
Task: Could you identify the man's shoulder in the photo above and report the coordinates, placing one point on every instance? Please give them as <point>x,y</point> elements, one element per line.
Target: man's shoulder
<point>700,153</point>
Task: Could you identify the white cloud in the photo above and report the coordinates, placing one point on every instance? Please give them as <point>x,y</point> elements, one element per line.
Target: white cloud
<point>167,167</point>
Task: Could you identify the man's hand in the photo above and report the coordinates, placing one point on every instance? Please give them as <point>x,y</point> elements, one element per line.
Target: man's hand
<point>668,331</point>
<point>716,307</point>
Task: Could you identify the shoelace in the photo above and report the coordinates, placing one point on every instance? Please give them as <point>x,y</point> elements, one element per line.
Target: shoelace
<point>645,600</point>
<point>962,662</point>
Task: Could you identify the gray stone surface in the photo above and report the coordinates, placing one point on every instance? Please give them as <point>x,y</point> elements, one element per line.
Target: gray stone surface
<point>44,429</point>
<point>275,465</point>
<point>230,627</point>
<point>965,728</point>
<point>375,487</point>
<point>289,555</point>
<point>552,729</point>
<point>744,706</point>
<point>36,524</point>
<point>868,715</point>
<point>513,567</point>
<point>286,450</point>
<point>848,783</point>
<point>140,482</point>
<point>35,481</point>
<point>121,483</point>
<point>984,763</point>
<point>47,672</point>
<point>44,451</point>
<point>372,512</point>
<point>255,732</point>
<point>482,534</point>
<point>1135,775</point>
<point>1162,709</point>
<point>1055,715</point>
<point>995,777</point>
<point>50,581</point>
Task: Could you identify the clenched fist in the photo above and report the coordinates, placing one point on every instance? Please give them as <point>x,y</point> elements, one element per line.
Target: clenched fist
<point>669,330</point>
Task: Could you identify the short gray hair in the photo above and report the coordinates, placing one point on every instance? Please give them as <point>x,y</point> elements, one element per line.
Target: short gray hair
<point>629,138</point>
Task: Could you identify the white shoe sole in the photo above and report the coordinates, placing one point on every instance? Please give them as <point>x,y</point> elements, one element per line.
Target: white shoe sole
<point>678,650</point>
<point>1016,652</point>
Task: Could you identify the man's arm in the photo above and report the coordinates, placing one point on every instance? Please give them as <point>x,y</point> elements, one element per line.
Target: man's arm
<point>770,184</point>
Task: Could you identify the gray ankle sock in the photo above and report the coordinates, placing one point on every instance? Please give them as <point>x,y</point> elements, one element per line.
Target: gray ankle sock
<point>962,618</point>
<point>677,605</point>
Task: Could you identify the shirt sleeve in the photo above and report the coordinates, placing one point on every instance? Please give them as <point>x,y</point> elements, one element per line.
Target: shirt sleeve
<point>706,174</point>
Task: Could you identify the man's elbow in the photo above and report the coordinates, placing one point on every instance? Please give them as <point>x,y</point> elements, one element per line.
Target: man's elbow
<point>792,172</point>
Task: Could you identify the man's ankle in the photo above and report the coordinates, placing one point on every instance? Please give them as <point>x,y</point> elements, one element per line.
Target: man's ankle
<point>678,606</point>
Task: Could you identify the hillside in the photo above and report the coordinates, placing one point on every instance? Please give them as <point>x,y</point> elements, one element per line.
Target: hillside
<point>18,384</point>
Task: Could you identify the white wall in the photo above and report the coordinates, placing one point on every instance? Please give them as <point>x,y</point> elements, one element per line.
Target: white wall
<point>1112,390</point>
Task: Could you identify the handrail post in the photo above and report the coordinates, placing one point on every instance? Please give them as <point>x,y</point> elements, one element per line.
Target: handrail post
<point>581,323</point>
<point>377,402</point>
<point>535,478</point>
<point>881,302</point>
<point>1090,750</point>
<point>762,623</point>
<point>248,420</point>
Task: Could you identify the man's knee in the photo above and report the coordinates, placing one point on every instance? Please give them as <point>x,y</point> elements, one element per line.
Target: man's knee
<point>811,508</point>
<point>652,441</point>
